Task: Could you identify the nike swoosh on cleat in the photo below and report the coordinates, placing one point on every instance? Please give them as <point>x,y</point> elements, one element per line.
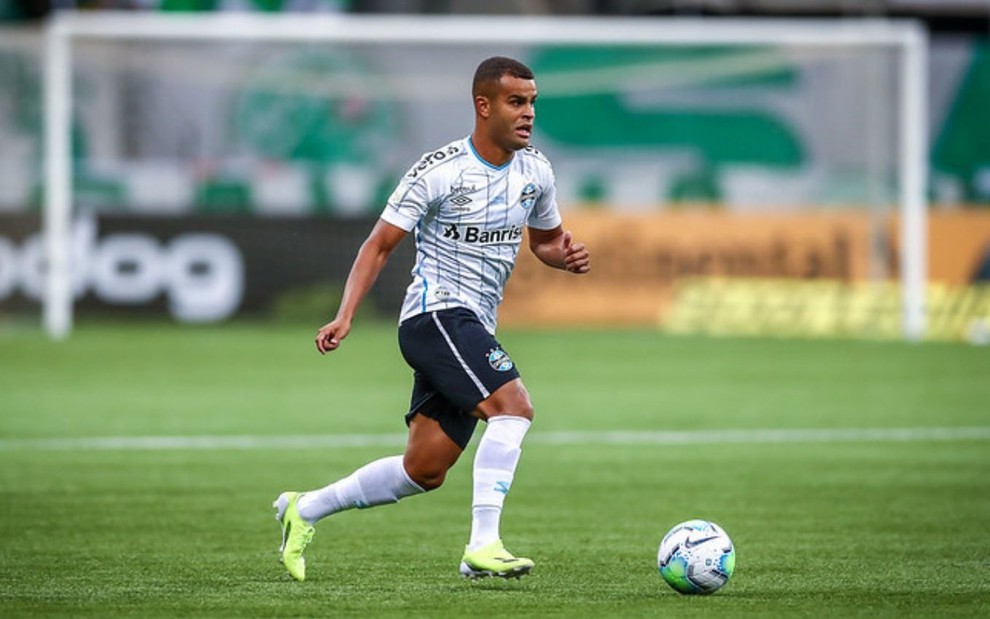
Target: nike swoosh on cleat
<point>285,533</point>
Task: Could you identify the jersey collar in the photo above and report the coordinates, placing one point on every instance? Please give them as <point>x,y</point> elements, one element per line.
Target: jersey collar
<point>482,159</point>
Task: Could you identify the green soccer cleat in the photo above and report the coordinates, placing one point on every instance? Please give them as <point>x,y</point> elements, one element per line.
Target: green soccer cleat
<point>296,533</point>
<point>493,560</point>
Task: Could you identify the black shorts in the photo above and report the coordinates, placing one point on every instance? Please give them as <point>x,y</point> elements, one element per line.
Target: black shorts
<point>457,364</point>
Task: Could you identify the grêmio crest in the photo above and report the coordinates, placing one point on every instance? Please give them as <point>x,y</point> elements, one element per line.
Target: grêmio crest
<point>499,360</point>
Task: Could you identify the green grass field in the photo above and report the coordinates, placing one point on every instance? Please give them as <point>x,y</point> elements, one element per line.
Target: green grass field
<point>872,521</point>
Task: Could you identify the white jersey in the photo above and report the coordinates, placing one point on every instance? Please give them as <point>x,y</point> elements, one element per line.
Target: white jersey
<point>468,217</point>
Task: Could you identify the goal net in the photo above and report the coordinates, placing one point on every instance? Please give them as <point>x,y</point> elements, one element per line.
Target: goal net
<point>687,153</point>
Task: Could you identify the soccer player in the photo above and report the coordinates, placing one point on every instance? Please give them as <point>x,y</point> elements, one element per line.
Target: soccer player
<point>466,204</point>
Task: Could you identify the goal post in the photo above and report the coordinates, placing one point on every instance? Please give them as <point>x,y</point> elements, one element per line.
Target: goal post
<point>907,39</point>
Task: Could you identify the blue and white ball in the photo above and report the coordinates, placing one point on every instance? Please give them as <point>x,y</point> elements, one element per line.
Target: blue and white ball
<point>696,557</point>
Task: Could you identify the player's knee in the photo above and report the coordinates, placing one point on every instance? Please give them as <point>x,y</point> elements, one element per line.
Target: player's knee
<point>427,471</point>
<point>428,478</point>
<point>519,406</point>
<point>524,410</point>
<point>511,399</point>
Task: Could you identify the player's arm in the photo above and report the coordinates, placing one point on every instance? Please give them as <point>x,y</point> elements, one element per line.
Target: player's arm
<point>556,248</point>
<point>370,260</point>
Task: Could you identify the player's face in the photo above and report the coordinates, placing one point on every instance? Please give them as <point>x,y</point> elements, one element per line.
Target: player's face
<point>513,112</point>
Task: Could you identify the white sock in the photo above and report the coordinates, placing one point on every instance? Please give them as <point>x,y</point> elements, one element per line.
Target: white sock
<point>494,467</point>
<point>376,483</point>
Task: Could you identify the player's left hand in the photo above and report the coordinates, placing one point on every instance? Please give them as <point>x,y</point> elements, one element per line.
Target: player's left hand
<point>576,256</point>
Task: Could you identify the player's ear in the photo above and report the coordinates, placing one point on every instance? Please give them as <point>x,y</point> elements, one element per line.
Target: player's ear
<point>482,106</point>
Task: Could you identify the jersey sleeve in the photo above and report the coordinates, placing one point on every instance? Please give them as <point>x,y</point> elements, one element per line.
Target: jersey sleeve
<point>408,203</point>
<point>545,214</point>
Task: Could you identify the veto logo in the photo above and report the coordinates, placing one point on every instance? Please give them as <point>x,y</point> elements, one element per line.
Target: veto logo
<point>201,275</point>
<point>480,236</point>
<point>431,159</point>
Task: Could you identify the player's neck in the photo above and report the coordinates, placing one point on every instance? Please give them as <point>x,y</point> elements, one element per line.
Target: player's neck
<point>488,151</point>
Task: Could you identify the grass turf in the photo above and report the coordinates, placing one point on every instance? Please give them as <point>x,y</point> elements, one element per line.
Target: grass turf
<point>822,529</point>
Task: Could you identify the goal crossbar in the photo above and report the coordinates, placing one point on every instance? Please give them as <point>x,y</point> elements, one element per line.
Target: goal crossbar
<point>493,29</point>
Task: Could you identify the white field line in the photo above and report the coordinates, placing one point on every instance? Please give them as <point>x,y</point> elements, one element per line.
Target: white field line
<point>709,437</point>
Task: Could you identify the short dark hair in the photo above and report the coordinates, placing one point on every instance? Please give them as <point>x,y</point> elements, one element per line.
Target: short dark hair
<point>491,70</point>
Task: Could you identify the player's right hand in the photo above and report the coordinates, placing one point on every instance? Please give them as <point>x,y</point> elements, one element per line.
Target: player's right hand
<point>330,335</point>
<point>576,256</point>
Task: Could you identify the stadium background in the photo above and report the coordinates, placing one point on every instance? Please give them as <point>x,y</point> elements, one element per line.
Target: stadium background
<point>162,157</point>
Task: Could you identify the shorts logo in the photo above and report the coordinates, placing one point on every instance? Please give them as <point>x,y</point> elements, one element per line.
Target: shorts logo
<point>528,197</point>
<point>499,360</point>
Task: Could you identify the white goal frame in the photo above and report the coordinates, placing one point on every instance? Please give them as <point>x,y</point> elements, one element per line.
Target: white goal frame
<point>909,37</point>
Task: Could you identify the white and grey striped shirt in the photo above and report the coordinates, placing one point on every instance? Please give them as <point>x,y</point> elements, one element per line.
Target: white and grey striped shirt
<point>468,217</point>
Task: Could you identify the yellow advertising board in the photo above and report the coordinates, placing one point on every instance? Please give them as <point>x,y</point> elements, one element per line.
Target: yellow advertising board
<point>641,262</point>
<point>958,246</point>
<point>824,308</point>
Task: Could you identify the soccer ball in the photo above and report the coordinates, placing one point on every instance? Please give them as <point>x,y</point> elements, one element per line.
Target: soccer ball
<point>696,557</point>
